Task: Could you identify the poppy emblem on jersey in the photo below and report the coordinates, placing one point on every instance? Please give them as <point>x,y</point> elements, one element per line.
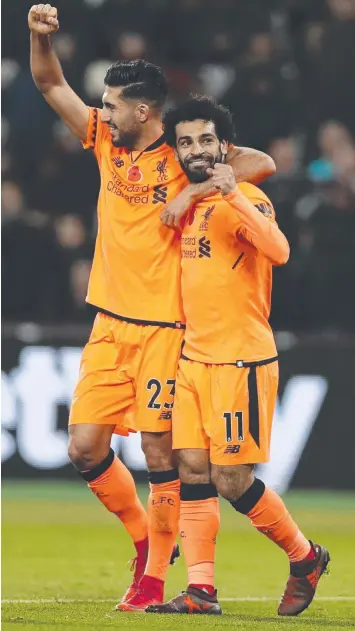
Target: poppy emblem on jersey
<point>134,174</point>
<point>206,217</point>
<point>118,162</point>
<point>162,170</point>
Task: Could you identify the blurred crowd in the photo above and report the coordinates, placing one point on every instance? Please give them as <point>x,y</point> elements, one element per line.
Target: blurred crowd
<point>284,67</point>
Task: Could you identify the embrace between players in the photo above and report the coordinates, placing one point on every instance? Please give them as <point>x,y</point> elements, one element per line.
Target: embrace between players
<point>182,320</point>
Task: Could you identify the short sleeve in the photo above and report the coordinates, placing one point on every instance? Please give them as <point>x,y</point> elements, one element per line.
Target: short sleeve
<point>95,132</point>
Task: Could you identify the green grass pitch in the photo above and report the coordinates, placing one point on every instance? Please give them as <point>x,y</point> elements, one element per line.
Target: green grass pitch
<point>65,564</point>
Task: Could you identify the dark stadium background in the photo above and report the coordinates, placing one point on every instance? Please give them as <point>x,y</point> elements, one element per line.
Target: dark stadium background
<point>286,69</point>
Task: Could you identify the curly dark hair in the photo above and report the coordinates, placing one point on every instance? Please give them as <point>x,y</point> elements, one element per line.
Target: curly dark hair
<point>140,80</point>
<point>202,108</point>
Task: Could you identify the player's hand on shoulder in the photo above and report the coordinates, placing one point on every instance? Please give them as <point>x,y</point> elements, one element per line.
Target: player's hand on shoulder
<point>223,178</point>
<point>43,19</point>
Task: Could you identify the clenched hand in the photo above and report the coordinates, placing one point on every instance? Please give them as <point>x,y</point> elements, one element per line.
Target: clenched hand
<point>43,19</point>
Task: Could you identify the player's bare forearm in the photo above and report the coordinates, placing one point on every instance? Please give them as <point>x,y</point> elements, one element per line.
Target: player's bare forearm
<point>262,232</point>
<point>250,165</point>
<point>190,195</point>
<point>47,72</point>
<point>45,67</point>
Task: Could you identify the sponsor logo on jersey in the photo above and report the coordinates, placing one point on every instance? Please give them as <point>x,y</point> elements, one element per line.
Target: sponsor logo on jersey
<point>206,217</point>
<point>133,193</point>
<point>162,170</point>
<point>188,252</point>
<point>134,174</point>
<point>160,194</point>
<point>204,248</point>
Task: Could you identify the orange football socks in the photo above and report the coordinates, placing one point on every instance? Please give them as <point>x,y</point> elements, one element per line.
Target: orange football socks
<point>163,522</point>
<point>114,486</point>
<point>270,516</point>
<point>199,525</point>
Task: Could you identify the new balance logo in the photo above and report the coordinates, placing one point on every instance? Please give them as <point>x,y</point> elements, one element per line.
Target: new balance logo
<point>165,415</point>
<point>232,449</point>
<point>204,248</point>
<point>118,162</point>
<point>160,194</point>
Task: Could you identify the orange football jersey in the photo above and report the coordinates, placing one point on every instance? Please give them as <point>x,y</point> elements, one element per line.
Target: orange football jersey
<point>136,267</point>
<point>226,284</point>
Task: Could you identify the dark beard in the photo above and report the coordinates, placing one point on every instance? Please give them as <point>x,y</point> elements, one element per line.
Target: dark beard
<point>198,176</point>
<point>194,176</point>
<point>127,139</point>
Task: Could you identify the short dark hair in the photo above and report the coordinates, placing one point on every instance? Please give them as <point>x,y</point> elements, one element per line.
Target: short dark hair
<point>203,108</point>
<point>140,79</point>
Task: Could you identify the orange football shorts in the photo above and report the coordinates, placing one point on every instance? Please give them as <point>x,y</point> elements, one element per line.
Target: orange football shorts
<point>127,376</point>
<point>225,409</point>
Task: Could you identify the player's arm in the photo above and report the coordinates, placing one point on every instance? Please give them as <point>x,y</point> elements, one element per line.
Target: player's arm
<point>47,72</point>
<point>260,230</point>
<point>249,165</point>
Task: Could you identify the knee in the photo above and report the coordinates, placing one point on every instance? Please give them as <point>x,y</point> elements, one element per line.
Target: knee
<point>82,454</point>
<point>194,466</point>
<point>157,450</point>
<point>232,482</point>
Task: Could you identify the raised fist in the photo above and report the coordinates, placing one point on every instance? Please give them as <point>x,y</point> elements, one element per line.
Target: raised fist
<point>43,19</point>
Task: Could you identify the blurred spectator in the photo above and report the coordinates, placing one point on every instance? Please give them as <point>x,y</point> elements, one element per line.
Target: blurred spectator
<point>264,96</point>
<point>71,244</point>
<point>79,278</point>
<point>94,80</point>
<point>67,178</point>
<point>12,202</point>
<point>27,258</point>
<point>289,183</point>
<point>66,47</point>
<point>70,232</point>
<point>131,46</point>
<point>336,154</point>
<point>334,79</point>
<point>322,267</point>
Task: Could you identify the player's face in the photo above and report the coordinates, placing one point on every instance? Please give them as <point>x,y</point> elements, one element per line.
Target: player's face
<point>198,148</point>
<point>120,116</point>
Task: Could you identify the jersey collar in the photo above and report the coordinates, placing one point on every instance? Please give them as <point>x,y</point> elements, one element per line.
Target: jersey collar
<point>157,143</point>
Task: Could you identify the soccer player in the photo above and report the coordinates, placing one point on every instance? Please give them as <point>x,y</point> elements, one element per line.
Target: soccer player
<point>227,378</point>
<point>128,367</point>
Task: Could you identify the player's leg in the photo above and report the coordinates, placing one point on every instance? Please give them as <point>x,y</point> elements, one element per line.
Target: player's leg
<point>199,513</point>
<point>100,399</point>
<point>107,477</point>
<point>245,438</point>
<point>155,386</point>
